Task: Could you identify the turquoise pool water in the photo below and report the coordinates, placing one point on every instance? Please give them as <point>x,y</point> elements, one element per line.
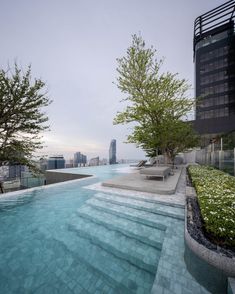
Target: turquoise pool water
<point>70,239</point>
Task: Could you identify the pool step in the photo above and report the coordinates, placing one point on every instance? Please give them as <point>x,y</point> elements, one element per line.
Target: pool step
<point>174,212</point>
<point>143,198</point>
<point>123,275</point>
<point>11,203</point>
<point>127,248</point>
<point>86,273</point>
<point>150,236</point>
<point>142,217</point>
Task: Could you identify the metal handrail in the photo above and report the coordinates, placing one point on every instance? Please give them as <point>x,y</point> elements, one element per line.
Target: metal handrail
<point>218,10</point>
<point>214,19</point>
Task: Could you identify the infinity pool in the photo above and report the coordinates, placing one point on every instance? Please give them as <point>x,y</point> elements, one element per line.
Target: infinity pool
<point>68,238</point>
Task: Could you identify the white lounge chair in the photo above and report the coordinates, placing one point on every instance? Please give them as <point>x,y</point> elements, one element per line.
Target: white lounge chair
<point>157,171</point>
<point>140,164</point>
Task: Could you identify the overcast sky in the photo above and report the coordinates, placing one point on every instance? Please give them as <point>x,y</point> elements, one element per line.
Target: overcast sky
<point>73,45</point>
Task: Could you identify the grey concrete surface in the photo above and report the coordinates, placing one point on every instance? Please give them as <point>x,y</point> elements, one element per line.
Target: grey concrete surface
<point>137,182</point>
<point>53,177</point>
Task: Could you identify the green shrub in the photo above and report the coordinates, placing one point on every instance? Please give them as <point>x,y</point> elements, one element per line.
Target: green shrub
<point>216,197</point>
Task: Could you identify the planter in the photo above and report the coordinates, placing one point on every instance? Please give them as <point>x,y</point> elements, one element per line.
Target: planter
<point>204,258</point>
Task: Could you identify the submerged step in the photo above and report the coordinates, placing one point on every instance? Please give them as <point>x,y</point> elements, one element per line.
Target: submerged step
<point>142,198</point>
<point>8,203</point>
<point>141,232</point>
<point>88,276</point>
<point>174,212</point>
<point>127,248</point>
<point>158,221</point>
<point>62,269</point>
<point>123,275</point>
<point>154,221</point>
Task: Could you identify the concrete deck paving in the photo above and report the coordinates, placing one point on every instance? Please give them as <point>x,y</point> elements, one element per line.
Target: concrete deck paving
<point>137,182</point>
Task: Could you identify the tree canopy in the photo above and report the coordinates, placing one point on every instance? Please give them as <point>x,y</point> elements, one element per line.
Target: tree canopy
<point>22,116</point>
<point>156,102</point>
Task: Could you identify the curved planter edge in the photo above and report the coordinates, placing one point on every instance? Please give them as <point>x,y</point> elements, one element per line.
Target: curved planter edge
<point>221,262</point>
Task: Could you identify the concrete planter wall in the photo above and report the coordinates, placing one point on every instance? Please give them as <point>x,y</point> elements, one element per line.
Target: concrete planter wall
<point>222,262</point>
<point>218,266</point>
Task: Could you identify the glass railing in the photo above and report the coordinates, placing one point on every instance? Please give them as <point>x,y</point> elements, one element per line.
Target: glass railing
<point>30,182</point>
<point>220,159</point>
<point>13,184</point>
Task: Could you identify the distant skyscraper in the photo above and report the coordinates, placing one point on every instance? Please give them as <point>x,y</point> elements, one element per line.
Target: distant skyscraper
<point>112,152</point>
<point>69,163</point>
<point>56,162</point>
<point>94,161</point>
<point>79,159</point>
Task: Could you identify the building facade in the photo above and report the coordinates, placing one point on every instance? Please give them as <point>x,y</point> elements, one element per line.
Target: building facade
<point>214,58</point>
<point>56,162</point>
<point>112,152</point>
<point>69,163</point>
<point>15,171</point>
<point>94,161</point>
<point>43,164</point>
<point>79,159</point>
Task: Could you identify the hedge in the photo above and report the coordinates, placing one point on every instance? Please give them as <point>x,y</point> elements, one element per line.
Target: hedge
<point>216,196</point>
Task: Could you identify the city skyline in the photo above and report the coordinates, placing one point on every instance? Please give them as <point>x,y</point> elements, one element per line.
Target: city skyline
<point>73,47</point>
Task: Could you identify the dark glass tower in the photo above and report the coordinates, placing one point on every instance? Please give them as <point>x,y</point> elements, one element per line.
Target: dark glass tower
<point>214,58</point>
<point>56,162</point>
<point>112,152</point>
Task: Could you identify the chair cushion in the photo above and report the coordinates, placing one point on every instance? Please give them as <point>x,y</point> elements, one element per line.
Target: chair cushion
<point>156,171</point>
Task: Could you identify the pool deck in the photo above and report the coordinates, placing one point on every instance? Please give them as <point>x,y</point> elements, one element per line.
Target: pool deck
<point>137,182</point>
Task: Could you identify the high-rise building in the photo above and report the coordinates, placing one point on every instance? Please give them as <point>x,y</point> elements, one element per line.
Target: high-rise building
<point>104,161</point>
<point>214,58</point>
<point>112,152</point>
<point>15,171</point>
<point>69,163</point>
<point>79,159</point>
<point>94,161</point>
<point>43,164</point>
<point>56,162</point>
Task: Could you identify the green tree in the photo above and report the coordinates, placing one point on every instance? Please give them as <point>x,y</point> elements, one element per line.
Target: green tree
<point>22,116</point>
<point>156,102</point>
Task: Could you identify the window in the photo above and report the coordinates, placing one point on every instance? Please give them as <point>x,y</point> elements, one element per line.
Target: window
<point>218,52</point>
<point>219,76</point>
<point>211,66</point>
<point>215,89</point>
<point>220,112</point>
<point>213,101</point>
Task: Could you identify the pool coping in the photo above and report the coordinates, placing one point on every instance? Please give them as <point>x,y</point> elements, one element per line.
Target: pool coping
<point>19,192</point>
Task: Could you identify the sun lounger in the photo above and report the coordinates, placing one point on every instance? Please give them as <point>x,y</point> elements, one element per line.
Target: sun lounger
<point>152,162</point>
<point>158,171</point>
<point>140,164</point>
